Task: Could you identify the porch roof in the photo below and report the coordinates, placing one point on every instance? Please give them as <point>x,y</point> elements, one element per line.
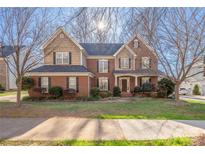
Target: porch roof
<point>60,68</point>
<point>141,72</point>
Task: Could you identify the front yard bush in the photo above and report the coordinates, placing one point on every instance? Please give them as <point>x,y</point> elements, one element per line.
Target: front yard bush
<point>2,88</point>
<point>196,90</point>
<point>94,92</point>
<point>69,93</point>
<point>137,89</point>
<point>27,83</point>
<point>116,91</point>
<point>147,87</point>
<point>105,94</point>
<point>56,91</point>
<point>165,87</point>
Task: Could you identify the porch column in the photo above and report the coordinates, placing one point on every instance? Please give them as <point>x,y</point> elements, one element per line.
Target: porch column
<point>136,80</point>
<point>115,80</point>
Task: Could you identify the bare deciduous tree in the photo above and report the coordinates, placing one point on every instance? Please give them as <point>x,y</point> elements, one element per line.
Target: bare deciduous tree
<point>177,36</point>
<point>85,27</point>
<point>24,29</point>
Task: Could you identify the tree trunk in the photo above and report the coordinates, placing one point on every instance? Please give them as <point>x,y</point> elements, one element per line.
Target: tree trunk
<point>18,97</point>
<point>177,91</point>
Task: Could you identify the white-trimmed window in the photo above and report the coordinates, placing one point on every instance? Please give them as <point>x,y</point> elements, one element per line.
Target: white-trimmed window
<point>103,83</point>
<point>103,66</point>
<point>136,43</point>
<point>145,80</point>
<point>72,83</point>
<point>145,62</point>
<point>45,84</point>
<point>124,63</point>
<point>62,57</point>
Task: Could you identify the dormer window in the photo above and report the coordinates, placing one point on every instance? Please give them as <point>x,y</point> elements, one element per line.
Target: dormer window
<point>136,43</point>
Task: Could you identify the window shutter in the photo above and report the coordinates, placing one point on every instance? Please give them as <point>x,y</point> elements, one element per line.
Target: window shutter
<point>39,82</point>
<point>150,80</point>
<point>150,62</point>
<point>140,81</point>
<point>70,58</point>
<point>129,63</point>
<point>97,82</point>
<point>54,58</point>
<point>119,63</point>
<point>108,66</point>
<point>49,82</point>
<point>77,84</point>
<point>67,82</point>
<point>97,65</point>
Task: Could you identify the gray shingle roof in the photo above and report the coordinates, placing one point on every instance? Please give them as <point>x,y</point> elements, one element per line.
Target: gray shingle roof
<point>6,51</point>
<point>60,68</point>
<point>105,49</point>
<point>140,72</point>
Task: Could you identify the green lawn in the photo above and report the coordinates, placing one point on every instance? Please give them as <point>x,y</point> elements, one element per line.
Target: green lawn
<point>135,108</point>
<point>8,93</point>
<point>165,142</point>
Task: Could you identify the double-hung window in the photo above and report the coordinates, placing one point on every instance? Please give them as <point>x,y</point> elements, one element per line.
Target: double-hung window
<point>124,63</point>
<point>73,83</point>
<point>62,57</point>
<point>103,83</point>
<point>44,84</point>
<point>103,66</point>
<point>145,62</point>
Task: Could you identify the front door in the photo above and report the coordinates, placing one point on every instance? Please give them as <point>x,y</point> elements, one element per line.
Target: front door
<point>124,85</point>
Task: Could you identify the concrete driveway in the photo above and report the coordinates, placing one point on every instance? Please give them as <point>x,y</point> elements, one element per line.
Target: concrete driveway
<point>61,128</point>
<point>194,97</point>
<point>10,98</point>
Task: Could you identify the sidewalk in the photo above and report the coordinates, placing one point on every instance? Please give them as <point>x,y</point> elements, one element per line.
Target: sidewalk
<point>67,128</point>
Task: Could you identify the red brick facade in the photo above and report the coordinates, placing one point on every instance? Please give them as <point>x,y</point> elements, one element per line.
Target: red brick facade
<point>91,63</point>
<point>61,81</point>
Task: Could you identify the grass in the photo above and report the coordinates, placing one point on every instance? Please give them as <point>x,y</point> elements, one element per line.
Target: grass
<point>8,93</point>
<point>135,108</point>
<point>160,142</point>
<point>194,101</point>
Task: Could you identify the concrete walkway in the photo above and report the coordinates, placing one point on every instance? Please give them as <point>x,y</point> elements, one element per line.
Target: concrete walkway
<point>61,128</point>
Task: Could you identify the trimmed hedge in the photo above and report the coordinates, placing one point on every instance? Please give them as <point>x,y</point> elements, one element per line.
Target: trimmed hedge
<point>56,91</point>
<point>116,91</point>
<point>27,83</point>
<point>94,92</point>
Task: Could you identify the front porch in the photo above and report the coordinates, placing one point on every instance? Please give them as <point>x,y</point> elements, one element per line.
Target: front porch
<point>127,83</point>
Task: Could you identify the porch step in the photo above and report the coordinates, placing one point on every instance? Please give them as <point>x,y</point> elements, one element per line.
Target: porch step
<point>126,94</point>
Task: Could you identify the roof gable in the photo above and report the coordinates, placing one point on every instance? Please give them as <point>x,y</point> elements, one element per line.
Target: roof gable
<point>54,35</point>
<point>128,48</point>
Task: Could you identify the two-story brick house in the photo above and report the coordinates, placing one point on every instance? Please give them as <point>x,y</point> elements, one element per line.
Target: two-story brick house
<point>80,66</point>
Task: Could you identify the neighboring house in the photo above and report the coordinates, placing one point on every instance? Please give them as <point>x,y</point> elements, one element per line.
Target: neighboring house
<point>7,79</point>
<point>196,79</point>
<point>81,66</point>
